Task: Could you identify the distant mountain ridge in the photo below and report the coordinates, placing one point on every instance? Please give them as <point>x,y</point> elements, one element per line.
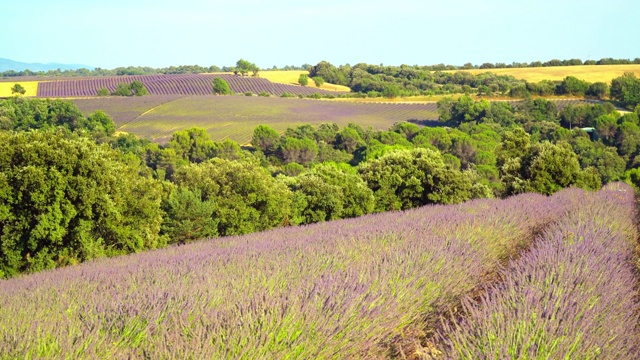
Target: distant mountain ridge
<point>6,65</point>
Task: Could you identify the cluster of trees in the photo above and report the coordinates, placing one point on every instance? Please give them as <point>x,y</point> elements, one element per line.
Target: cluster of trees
<point>196,69</point>
<point>71,191</point>
<point>404,80</point>
<point>136,88</point>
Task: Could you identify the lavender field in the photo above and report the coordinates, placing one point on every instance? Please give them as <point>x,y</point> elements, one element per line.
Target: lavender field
<point>372,287</point>
<point>573,296</point>
<point>174,84</point>
<point>235,117</point>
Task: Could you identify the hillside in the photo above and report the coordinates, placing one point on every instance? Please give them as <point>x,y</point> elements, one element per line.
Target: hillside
<point>235,117</point>
<point>7,65</point>
<point>174,84</point>
<point>374,287</point>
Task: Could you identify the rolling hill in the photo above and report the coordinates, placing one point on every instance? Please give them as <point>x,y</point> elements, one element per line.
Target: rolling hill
<point>7,65</point>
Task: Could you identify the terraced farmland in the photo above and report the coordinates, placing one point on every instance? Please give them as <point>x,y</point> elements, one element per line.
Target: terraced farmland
<point>235,117</point>
<point>178,84</point>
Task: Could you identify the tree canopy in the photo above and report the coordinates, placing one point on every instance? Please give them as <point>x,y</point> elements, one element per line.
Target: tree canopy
<point>66,200</point>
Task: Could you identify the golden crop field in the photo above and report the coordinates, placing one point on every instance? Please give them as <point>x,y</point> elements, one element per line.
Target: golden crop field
<point>30,86</point>
<point>291,77</point>
<point>590,73</point>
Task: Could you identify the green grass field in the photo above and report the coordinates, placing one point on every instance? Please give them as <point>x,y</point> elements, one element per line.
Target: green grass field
<point>235,117</point>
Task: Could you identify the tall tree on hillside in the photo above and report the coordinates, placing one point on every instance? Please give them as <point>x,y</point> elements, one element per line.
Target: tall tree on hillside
<point>244,67</point>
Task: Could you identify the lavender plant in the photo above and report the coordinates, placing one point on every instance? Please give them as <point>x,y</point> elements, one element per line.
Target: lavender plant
<point>573,296</point>
<point>346,289</point>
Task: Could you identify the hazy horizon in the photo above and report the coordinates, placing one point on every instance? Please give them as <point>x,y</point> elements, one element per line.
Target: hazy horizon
<point>198,32</point>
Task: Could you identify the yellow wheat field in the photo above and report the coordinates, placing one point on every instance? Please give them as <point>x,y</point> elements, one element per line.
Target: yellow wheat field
<point>589,73</point>
<point>290,77</point>
<point>30,86</point>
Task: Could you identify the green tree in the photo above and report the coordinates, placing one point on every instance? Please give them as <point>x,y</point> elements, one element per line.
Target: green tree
<point>544,168</point>
<point>626,89</point>
<point>122,90</point>
<point>246,197</point>
<point>100,124</point>
<point>318,80</point>
<point>357,198</point>
<point>194,145</point>
<point>329,73</point>
<point>266,139</point>
<point>315,200</point>
<point>103,92</point>
<point>349,139</point>
<point>599,90</point>
<point>138,88</point>
<point>408,178</point>
<point>303,79</point>
<point>573,86</point>
<point>391,91</point>
<point>221,87</point>
<point>244,67</point>
<point>71,200</point>
<point>302,151</point>
<point>18,89</point>
<point>188,217</point>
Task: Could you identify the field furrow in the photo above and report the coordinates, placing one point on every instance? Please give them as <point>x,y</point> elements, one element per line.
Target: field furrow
<point>349,289</point>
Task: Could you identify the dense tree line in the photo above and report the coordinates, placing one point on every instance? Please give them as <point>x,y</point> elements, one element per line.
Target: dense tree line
<point>393,81</point>
<point>71,191</point>
<point>197,69</point>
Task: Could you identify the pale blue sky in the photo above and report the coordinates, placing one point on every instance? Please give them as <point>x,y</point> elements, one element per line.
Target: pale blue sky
<point>160,33</point>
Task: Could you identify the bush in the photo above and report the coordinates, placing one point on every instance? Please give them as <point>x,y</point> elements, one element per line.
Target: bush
<point>221,87</point>
<point>103,92</point>
<point>303,79</point>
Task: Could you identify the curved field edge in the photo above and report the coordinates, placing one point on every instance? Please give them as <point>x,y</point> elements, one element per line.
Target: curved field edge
<point>349,289</point>
<point>573,295</point>
<point>173,84</point>
<point>291,77</point>
<point>235,117</point>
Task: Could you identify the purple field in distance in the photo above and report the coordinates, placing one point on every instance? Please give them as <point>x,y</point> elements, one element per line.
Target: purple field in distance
<point>356,288</point>
<point>235,117</point>
<point>173,84</point>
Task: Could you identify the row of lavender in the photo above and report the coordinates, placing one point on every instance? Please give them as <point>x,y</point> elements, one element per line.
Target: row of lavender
<point>175,84</point>
<point>573,296</point>
<point>357,288</point>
